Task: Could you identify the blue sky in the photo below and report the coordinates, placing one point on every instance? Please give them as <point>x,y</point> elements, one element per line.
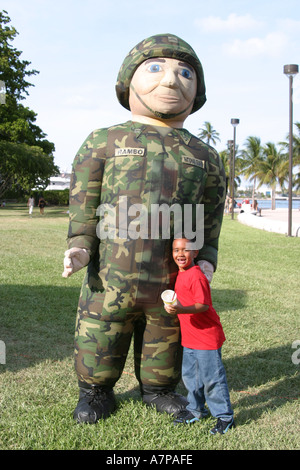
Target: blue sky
<point>78,47</point>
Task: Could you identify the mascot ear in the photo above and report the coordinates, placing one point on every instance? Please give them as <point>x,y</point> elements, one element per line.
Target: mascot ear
<point>123,94</point>
<point>160,45</point>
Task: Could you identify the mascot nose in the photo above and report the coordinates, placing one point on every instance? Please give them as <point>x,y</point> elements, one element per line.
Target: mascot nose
<point>169,79</point>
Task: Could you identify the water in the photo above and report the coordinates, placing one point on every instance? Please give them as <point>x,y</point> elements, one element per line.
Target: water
<point>280,203</point>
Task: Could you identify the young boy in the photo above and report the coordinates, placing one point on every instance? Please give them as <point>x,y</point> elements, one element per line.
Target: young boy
<point>202,334</point>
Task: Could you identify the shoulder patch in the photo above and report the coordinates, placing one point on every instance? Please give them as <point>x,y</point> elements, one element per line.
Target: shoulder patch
<point>193,161</point>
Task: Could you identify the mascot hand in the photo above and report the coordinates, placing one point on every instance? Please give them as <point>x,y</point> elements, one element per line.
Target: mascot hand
<point>207,268</point>
<point>75,259</point>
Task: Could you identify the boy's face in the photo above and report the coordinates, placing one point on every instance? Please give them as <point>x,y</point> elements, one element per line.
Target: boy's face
<point>164,85</point>
<point>182,255</point>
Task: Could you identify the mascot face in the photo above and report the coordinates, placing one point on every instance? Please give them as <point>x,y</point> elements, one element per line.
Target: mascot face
<point>164,88</point>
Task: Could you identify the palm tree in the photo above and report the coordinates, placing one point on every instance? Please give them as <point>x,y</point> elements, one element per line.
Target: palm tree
<point>296,154</point>
<point>272,169</point>
<point>226,164</point>
<point>251,158</point>
<point>225,157</point>
<point>296,141</point>
<point>207,133</point>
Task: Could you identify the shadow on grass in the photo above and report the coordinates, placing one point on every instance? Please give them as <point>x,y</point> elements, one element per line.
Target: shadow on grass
<point>37,324</point>
<point>262,380</point>
<point>228,299</point>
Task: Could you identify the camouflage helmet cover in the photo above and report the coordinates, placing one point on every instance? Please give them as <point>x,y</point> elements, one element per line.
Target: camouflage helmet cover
<point>160,45</point>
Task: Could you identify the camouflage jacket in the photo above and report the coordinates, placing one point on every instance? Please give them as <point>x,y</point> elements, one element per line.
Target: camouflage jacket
<point>134,163</point>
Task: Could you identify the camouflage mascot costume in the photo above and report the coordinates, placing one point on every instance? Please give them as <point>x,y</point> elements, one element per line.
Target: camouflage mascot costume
<point>149,160</point>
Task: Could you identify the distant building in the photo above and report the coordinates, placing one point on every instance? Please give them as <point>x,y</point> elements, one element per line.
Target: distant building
<point>59,183</point>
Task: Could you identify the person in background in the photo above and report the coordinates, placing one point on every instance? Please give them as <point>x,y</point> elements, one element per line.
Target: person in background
<point>30,204</point>
<point>41,205</point>
<point>255,209</point>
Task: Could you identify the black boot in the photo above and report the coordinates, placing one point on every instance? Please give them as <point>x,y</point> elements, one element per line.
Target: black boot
<point>164,399</point>
<point>95,402</point>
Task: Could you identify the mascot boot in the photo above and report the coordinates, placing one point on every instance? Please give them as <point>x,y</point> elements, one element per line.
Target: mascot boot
<point>163,399</point>
<point>95,402</point>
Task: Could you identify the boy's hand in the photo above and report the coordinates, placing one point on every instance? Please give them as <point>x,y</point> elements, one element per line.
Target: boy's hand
<point>173,309</point>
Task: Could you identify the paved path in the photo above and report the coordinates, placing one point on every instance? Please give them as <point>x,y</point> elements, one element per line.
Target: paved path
<point>273,221</point>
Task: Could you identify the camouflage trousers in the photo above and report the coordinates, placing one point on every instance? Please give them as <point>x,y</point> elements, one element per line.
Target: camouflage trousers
<point>102,342</point>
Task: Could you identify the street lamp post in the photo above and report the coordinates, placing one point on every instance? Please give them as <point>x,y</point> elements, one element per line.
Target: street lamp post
<point>230,147</point>
<point>234,123</point>
<point>290,70</point>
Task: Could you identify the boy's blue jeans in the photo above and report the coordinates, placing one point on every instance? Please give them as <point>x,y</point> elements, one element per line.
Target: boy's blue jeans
<point>204,377</point>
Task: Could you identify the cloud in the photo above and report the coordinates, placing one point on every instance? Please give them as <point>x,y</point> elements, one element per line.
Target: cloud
<point>272,44</point>
<point>213,24</point>
<point>296,86</point>
<point>289,25</point>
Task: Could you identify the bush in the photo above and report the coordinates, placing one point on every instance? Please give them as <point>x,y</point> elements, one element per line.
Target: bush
<point>57,198</point>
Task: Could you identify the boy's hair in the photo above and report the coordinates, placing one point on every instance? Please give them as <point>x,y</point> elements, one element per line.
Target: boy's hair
<point>183,238</point>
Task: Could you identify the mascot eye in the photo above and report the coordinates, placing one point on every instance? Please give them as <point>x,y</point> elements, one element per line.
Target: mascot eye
<point>186,73</point>
<point>153,68</point>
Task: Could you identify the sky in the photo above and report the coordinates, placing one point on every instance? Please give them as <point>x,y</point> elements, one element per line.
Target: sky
<point>78,47</point>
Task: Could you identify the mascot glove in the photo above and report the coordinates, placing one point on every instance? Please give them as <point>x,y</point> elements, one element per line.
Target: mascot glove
<point>74,260</point>
<point>207,268</point>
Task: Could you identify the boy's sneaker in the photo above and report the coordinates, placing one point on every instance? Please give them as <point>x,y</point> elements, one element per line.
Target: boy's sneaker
<point>185,417</point>
<point>222,426</point>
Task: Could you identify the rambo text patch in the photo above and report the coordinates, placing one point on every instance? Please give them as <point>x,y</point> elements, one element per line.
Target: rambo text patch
<point>129,151</point>
<point>193,161</point>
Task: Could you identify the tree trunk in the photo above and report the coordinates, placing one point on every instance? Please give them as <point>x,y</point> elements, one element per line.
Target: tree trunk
<point>253,191</point>
<point>273,203</point>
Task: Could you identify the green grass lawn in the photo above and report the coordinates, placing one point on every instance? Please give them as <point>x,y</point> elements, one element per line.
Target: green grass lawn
<point>255,291</point>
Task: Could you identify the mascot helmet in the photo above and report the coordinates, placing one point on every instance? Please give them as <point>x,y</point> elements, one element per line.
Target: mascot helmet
<point>160,45</point>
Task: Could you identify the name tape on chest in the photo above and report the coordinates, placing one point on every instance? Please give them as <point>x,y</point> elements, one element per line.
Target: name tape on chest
<point>193,161</point>
<point>129,151</point>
